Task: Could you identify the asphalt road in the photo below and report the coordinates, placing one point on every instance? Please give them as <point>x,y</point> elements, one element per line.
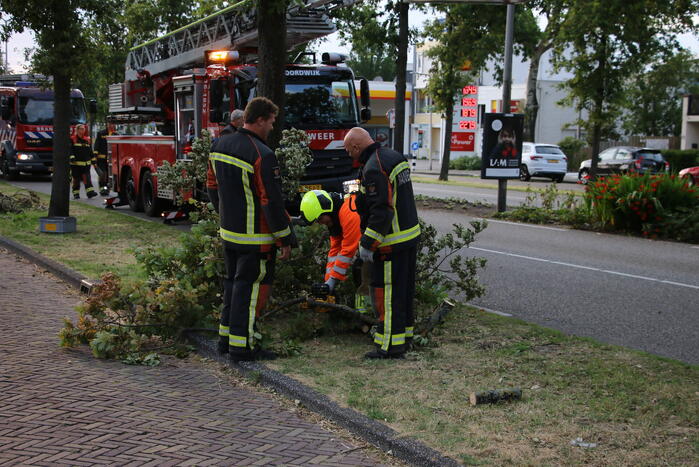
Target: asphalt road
<point>622,290</point>
<point>638,293</point>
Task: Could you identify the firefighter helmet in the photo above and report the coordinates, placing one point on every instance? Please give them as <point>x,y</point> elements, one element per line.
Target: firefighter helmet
<point>314,203</point>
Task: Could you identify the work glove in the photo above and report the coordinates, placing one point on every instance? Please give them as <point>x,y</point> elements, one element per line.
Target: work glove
<point>331,283</point>
<point>366,254</point>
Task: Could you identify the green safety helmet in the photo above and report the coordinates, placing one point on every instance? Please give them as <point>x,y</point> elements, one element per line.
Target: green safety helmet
<point>314,203</point>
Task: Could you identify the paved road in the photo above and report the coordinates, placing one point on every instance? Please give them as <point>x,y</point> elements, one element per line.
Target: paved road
<point>622,290</point>
<point>64,407</point>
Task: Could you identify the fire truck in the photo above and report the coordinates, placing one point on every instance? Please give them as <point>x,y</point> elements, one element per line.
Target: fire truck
<point>193,78</point>
<point>26,124</point>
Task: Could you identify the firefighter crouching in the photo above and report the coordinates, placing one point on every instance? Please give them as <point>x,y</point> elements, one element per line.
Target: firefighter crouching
<point>254,224</point>
<point>81,159</point>
<point>100,152</point>
<point>340,216</point>
<point>391,231</point>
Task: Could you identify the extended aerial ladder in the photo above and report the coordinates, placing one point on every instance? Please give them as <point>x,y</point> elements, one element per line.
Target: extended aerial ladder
<point>233,28</point>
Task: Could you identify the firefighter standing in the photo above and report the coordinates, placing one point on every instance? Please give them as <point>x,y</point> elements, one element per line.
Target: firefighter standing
<point>253,225</point>
<point>391,231</point>
<point>211,185</point>
<point>342,220</point>
<point>81,159</point>
<point>100,151</point>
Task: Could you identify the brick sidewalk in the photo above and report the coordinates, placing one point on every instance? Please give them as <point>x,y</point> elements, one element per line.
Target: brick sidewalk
<point>64,407</point>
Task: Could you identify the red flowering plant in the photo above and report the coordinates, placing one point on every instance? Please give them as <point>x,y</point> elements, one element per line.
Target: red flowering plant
<point>649,204</point>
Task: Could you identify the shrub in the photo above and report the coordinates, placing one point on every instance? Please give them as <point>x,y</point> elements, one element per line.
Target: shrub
<point>465,163</point>
<point>681,159</point>
<point>652,205</point>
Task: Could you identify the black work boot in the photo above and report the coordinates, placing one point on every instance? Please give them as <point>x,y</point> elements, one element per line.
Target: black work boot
<point>222,345</point>
<point>393,353</point>
<point>91,194</point>
<point>248,355</point>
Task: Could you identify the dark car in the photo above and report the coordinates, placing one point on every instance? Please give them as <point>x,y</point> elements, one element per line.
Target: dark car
<point>625,159</point>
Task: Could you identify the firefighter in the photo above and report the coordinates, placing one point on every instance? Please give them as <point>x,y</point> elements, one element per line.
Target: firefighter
<point>342,220</point>
<point>100,151</point>
<point>390,233</point>
<point>81,159</point>
<point>211,185</point>
<point>254,225</point>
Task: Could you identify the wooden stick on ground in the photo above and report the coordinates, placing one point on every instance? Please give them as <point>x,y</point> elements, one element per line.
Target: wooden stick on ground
<point>495,395</point>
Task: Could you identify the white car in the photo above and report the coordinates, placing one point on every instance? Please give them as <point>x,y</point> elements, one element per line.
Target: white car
<point>543,160</point>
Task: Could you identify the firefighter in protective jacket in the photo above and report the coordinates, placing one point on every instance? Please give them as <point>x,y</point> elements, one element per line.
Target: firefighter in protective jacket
<point>100,152</point>
<point>81,159</point>
<point>391,231</point>
<point>254,225</point>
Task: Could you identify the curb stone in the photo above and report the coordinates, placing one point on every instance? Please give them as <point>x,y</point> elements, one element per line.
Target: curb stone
<point>387,439</point>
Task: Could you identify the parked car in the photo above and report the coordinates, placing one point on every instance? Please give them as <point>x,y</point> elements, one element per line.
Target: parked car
<point>625,159</point>
<point>691,174</point>
<point>543,160</point>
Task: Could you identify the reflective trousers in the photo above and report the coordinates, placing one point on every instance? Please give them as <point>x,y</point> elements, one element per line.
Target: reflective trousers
<point>246,287</point>
<point>393,291</point>
<point>81,173</point>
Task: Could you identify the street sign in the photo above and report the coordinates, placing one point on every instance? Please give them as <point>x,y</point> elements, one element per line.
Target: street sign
<point>502,145</point>
<point>414,145</point>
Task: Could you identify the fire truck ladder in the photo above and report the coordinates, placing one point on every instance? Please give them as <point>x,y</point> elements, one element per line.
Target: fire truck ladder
<point>232,28</point>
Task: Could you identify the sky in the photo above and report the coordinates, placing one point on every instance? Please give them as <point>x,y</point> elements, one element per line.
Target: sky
<point>19,42</point>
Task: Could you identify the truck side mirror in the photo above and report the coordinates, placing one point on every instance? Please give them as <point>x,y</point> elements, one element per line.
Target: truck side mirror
<point>365,114</point>
<point>92,106</point>
<point>364,92</point>
<point>5,111</point>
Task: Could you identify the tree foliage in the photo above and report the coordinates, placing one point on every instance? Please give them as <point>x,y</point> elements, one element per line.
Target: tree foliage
<point>602,43</point>
<point>653,104</point>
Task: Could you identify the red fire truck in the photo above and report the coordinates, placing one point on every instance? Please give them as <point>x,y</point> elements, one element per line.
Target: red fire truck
<point>26,124</point>
<point>176,87</point>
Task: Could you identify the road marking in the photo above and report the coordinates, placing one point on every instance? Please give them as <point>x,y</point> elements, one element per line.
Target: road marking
<point>488,310</point>
<point>578,266</point>
<point>525,225</point>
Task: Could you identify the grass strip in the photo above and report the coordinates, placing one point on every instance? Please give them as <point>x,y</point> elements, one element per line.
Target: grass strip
<point>104,241</point>
<point>433,181</point>
<point>638,408</point>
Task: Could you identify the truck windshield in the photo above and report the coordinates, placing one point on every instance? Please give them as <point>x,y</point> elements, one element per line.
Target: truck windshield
<point>320,104</point>
<point>40,111</point>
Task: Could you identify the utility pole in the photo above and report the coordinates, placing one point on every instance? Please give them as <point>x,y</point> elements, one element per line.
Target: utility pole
<point>506,92</point>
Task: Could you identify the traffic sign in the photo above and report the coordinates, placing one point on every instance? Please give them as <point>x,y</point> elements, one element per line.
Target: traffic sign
<point>414,146</point>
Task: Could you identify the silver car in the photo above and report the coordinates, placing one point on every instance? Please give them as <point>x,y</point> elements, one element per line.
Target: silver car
<point>543,160</point>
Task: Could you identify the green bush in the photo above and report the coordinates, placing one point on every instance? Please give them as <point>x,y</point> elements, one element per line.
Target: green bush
<point>465,163</point>
<point>574,150</point>
<point>652,205</point>
<point>681,158</point>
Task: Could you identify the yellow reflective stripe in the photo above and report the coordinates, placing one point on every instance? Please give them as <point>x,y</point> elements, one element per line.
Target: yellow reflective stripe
<point>282,233</point>
<point>80,163</point>
<point>378,339</point>
<point>246,239</point>
<point>253,300</point>
<point>387,299</point>
<point>395,226</point>
<point>360,303</point>
<point>409,331</point>
<point>401,236</point>
<point>381,339</point>
<point>398,169</point>
<point>237,341</point>
<point>225,158</point>
<point>398,339</point>
<point>249,204</point>
<point>223,330</point>
<point>373,234</point>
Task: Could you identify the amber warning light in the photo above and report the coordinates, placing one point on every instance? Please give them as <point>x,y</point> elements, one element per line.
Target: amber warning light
<point>222,56</point>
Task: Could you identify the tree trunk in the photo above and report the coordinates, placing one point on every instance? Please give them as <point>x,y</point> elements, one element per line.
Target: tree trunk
<point>531,112</point>
<point>444,172</point>
<point>60,185</point>
<point>401,67</point>
<point>271,23</point>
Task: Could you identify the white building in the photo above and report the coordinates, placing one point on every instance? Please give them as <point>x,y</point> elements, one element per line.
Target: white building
<point>689,138</point>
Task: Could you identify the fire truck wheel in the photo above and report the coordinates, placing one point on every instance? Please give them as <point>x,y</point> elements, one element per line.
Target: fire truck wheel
<point>152,205</point>
<point>132,194</point>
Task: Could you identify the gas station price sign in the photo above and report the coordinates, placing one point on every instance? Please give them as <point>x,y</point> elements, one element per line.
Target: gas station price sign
<point>465,118</point>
